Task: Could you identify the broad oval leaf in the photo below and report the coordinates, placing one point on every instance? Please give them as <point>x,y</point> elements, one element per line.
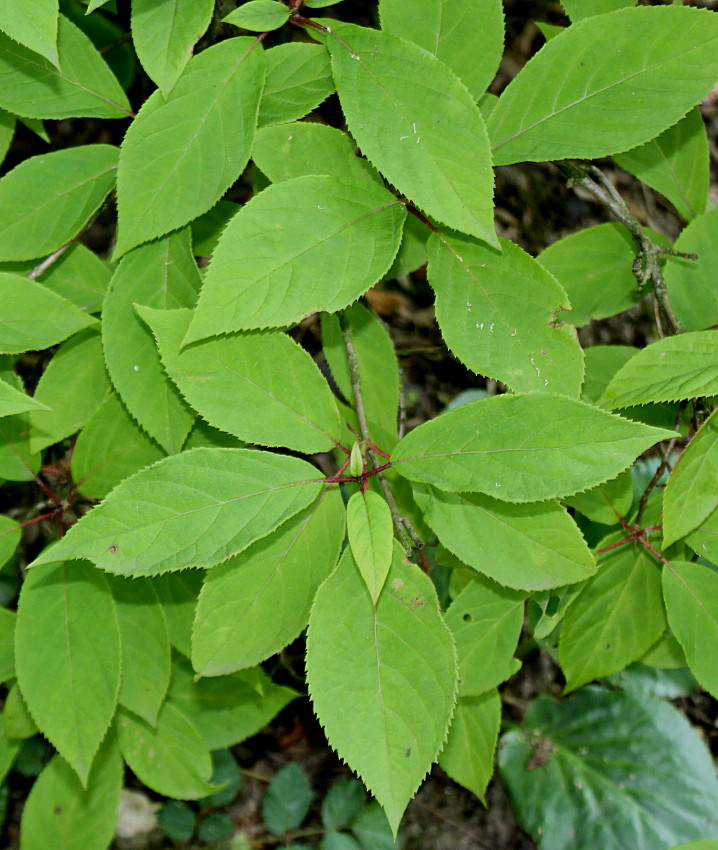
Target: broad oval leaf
<point>71,686</point>
<point>181,154</point>
<point>259,15</point>
<point>597,89</point>
<point>254,604</point>
<point>265,407</point>
<point>399,102</point>
<point>33,25</point>
<point>691,283</point>
<point>287,800</point>
<point>83,86</point>
<point>160,519</point>
<point>495,312</point>
<point>382,678</point>
<point>523,448</point>
<point>299,78</point>
<point>267,272</point>
<point>371,534</point>
<point>631,755</point>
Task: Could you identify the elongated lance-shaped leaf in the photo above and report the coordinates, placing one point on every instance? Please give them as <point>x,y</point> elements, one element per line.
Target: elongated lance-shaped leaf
<point>16,461</point>
<point>265,406</point>
<point>495,312</point>
<point>181,154</point>
<point>254,604</point>
<point>189,510</point>
<point>161,274</point>
<point>33,25</point>
<point>299,78</point>
<point>70,686</point>
<point>270,271</point>
<point>83,86</point>
<point>523,448</point>
<point>46,200</point>
<point>14,401</point>
<point>382,678</point>
<point>467,35</point>
<point>607,84</point>
<point>691,283</point>
<point>371,536</point>
<point>672,369</point>
<point>164,35</point>
<point>399,101</point>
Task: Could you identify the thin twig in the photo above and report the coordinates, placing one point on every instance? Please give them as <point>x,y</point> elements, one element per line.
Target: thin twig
<point>660,469</point>
<point>42,267</point>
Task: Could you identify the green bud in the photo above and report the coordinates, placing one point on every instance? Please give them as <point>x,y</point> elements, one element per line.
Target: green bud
<point>356,461</point>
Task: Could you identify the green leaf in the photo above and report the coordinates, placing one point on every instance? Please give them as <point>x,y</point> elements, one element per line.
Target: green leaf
<point>216,827</point>
<point>110,448</point>
<point>654,682</point>
<point>79,276</point>
<point>163,275</point>
<point>181,154</point>
<point>7,131</point>
<point>691,595</point>
<point>676,164</point>
<point>666,653</point>
<point>9,751</point>
<point>171,758</point>
<point>253,605</point>
<point>14,401</point>
<point>225,774</point>
<point>691,283</point>
<point>177,820</point>
<point>697,845</point>
<point>467,36</point>
<point>607,502</point>
<point>164,35</point>
<point>207,229</point>
<point>596,90</point>
<point>577,10</point>
<point>342,803</point>
<point>372,830</point>
<point>287,800</point>
<point>486,621</point>
<point>228,709</point>
<point>704,539</point>
<point>671,369</point>
<point>266,408</point>
<point>418,124</point>
<point>70,389</point>
<point>10,534</point>
<point>468,756</point>
<point>339,841</point>
<point>268,273</point>
<point>33,25</point>
<point>178,594</point>
<point>615,619</point>
<point>538,446</point>
<point>7,644</point>
<point>145,647</point>
<point>16,461</point>
<point>371,534</point>
<point>491,330</point>
<point>259,15</point>
<point>60,811</point>
<point>71,686</point>
<point>17,720</point>
<point>157,521</point>
<point>594,266</point>
<point>399,657</point>
<point>602,363</point>
<point>299,78</point>
<point>83,86</point>
<point>607,751</point>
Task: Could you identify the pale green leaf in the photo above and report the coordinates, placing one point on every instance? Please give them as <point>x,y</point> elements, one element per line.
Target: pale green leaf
<point>228,709</point>
<point>95,4</point>
<point>607,502</point>
<point>14,401</point>
<point>602,363</point>
<point>254,604</point>
<point>171,758</point>
<point>7,131</point>
<point>164,34</point>
<point>594,266</point>
<point>530,547</point>
<point>17,720</point>
<point>418,124</point>
<point>577,10</point>
<point>265,408</point>
<point>672,369</point>
<point>70,686</point>
<point>707,844</point>
<point>162,274</point>
<point>371,535</point>
<point>145,646</point>
<point>37,127</point>
<point>466,35</point>
<point>615,619</point>
<point>486,621</point>
<point>382,678</point>
<point>412,251</point>
<point>259,15</point>
<point>691,595</point>
<point>207,229</point>
<point>33,24</point>
<point>16,461</point>
<point>46,200</point>
<point>178,594</point>
<point>548,31</point>
<point>83,86</point>
<point>299,78</point>
<point>79,276</point>
<point>523,448</point>
<point>266,272</point>
<point>110,448</point>
<point>157,521</point>
<point>468,756</point>
<point>676,164</point>
<point>666,653</point>
<point>10,533</point>
<point>71,388</point>
<point>607,84</point>
<point>494,332</point>
<point>691,283</point>
<point>7,644</point>
<point>61,812</point>
<point>181,154</point>
<point>690,494</point>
